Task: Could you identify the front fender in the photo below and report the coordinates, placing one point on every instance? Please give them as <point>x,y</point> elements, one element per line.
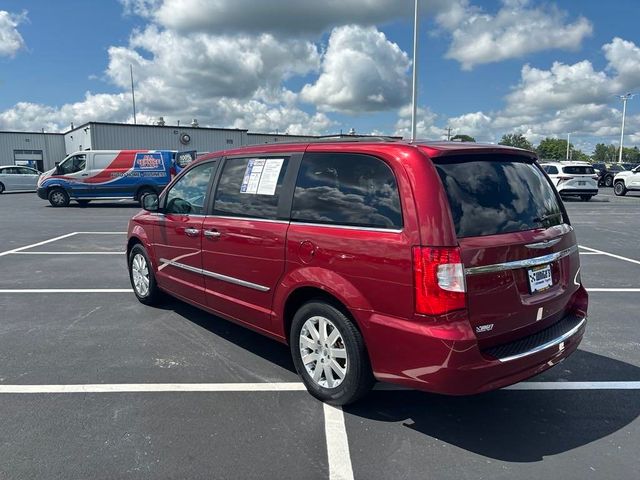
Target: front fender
<point>139,233</point>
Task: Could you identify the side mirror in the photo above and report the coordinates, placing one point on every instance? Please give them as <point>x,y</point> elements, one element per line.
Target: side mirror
<point>150,202</point>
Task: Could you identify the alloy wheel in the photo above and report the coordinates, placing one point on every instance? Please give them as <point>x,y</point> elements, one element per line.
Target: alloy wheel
<point>140,274</point>
<point>323,352</point>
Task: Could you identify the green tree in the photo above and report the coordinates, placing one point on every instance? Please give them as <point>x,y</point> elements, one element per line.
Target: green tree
<point>605,153</point>
<point>462,138</point>
<point>516,140</point>
<point>552,149</point>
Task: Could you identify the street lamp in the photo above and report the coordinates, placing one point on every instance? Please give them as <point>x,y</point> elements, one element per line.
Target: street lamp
<point>624,98</point>
<point>568,143</point>
<point>414,105</point>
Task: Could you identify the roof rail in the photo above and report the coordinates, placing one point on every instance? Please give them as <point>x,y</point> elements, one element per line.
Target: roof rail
<point>355,138</point>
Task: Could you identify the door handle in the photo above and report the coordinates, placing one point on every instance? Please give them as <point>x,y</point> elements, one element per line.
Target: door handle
<point>212,234</point>
<point>191,232</point>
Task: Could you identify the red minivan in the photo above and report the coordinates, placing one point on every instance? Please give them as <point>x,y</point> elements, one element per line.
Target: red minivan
<point>446,267</point>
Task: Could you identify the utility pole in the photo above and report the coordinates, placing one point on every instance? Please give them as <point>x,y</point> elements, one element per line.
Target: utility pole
<point>414,108</point>
<point>133,95</point>
<point>448,134</point>
<point>624,98</point>
<point>568,140</point>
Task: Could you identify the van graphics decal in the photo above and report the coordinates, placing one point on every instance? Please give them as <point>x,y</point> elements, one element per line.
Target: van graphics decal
<point>124,172</point>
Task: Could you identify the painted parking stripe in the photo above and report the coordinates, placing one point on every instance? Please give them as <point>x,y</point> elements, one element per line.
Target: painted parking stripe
<point>613,255</point>
<point>613,290</point>
<point>33,245</point>
<point>275,387</point>
<point>101,233</point>
<point>340,467</point>
<point>591,253</point>
<point>66,290</point>
<point>68,253</point>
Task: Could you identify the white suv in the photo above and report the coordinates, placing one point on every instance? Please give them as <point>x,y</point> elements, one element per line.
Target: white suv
<point>573,179</point>
<point>627,180</point>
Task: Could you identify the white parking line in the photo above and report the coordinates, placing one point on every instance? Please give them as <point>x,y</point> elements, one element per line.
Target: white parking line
<point>33,245</point>
<point>66,290</point>
<point>591,253</point>
<point>612,290</point>
<point>337,444</point>
<point>575,386</point>
<point>154,387</point>
<point>68,253</point>
<point>101,233</point>
<point>619,257</point>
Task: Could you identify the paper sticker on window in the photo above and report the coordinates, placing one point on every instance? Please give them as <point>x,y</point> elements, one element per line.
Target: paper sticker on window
<point>261,176</point>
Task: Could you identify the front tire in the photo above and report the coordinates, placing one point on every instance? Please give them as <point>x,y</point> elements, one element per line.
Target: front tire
<point>142,277</point>
<point>329,354</point>
<point>58,198</point>
<point>585,198</point>
<point>608,181</point>
<point>619,189</point>
<point>1,188</point>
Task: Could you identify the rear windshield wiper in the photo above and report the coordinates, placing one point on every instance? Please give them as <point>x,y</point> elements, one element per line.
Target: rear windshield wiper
<point>547,217</point>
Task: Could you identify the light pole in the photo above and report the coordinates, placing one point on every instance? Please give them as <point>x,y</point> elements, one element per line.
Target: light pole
<point>624,98</point>
<point>414,107</point>
<point>568,147</point>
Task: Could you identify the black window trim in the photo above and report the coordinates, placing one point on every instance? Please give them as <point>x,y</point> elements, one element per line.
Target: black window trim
<point>348,227</point>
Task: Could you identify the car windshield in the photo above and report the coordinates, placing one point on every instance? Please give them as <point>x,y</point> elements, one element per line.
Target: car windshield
<point>493,194</point>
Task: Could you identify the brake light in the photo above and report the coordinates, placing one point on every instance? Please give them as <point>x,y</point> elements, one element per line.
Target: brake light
<point>439,280</point>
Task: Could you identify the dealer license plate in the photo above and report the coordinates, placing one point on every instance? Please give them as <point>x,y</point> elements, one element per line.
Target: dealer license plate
<point>540,278</point>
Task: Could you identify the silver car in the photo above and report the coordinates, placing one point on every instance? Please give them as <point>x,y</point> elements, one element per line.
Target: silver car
<point>14,178</point>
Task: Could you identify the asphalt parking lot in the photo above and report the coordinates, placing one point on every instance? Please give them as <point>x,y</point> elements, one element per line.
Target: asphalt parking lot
<point>95,385</point>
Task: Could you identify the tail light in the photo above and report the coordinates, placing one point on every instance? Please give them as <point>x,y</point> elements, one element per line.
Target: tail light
<point>439,280</point>
<point>564,179</point>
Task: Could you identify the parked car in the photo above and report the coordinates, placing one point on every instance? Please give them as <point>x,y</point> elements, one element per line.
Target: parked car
<point>577,179</point>
<point>606,172</point>
<point>110,174</point>
<point>626,181</point>
<point>447,267</point>
<point>14,178</point>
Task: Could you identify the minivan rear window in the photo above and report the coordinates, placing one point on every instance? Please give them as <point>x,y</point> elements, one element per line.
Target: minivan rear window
<point>579,170</point>
<point>494,194</point>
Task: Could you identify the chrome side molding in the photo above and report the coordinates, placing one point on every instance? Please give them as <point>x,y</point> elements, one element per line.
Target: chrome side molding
<point>217,276</point>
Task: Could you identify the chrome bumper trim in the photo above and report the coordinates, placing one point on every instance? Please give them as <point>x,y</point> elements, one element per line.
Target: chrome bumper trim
<point>549,344</point>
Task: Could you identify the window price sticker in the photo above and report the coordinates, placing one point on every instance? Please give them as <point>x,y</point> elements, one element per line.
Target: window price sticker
<point>261,176</point>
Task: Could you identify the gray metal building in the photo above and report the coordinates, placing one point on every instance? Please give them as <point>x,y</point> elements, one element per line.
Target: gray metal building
<point>36,149</point>
<point>43,150</point>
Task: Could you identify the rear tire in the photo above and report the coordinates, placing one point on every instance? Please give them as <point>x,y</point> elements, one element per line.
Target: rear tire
<point>337,369</point>
<point>142,277</point>
<point>58,198</point>
<point>142,192</point>
<point>619,189</point>
<point>585,198</point>
<point>1,188</point>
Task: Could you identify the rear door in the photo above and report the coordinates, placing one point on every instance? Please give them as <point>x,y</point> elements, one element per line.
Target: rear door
<point>244,240</point>
<point>177,233</point>
<point>518,249</point>
<point>29,178</point>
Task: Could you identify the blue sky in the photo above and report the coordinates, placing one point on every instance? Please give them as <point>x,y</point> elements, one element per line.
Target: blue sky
<point>485,67</point>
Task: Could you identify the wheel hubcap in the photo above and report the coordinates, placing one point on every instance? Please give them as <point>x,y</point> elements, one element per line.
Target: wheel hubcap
<point>140,274</point>
<point>323,352</point>
<point>57,197</point>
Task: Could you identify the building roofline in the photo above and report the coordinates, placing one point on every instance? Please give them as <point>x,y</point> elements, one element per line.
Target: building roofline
<point>84,125</point>
<point>30,133</point>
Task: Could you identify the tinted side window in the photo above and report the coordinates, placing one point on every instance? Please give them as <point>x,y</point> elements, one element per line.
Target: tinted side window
<point>346,189</point>
<point>551,170</point>
<point>250,187</point>
<point>187,196</point>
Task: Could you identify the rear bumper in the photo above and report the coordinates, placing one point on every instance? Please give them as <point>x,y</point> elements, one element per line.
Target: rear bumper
<point>578,191</point>
<point>432,359</point>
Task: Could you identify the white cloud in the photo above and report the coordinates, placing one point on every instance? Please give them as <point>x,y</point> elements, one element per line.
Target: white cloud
<point>10,39</point>
<point>361,71</point>
<point>515,30</point>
